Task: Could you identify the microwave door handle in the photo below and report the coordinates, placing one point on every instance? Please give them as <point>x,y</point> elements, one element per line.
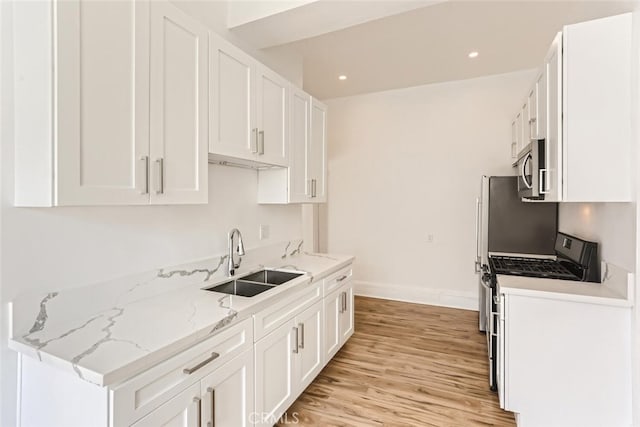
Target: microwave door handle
<point>522,170</point>
<point>544,188</point>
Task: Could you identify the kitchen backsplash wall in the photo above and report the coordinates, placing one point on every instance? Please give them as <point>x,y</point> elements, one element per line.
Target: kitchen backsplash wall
<point>404,174</point>
<point>612,225</point>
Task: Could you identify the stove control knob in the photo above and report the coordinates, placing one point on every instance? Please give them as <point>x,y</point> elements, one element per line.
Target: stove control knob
<point>486,278</point>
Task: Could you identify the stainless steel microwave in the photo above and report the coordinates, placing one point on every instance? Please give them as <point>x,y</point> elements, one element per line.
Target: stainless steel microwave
<point>529,169</point>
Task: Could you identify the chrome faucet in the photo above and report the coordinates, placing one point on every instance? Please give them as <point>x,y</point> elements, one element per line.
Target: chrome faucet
<point>232,265</point>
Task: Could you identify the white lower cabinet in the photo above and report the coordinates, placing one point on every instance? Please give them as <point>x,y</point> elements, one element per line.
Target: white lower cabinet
<point>228,394</point>
<point>564,363</point>
<point>274,373</point>
<point>222,398</point>
<point>339,320</point>
<point>287,360</point>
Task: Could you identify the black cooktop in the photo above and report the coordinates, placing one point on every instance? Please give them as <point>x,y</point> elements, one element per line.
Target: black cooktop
<point>531,267</point>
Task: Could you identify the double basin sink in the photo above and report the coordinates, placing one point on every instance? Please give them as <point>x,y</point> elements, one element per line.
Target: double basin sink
<point>255,283</point>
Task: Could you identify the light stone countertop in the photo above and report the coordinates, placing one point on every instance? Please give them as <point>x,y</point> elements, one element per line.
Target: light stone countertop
<point>108,332</point>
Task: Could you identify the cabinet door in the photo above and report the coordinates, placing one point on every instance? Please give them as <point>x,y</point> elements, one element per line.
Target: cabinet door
<point>526,127</point>
<point>332,313</point>
<point>299,143</point>
<point>539,113</point>
<point>310,349</point>
<point>181,411</point>
<point>519,123</point>
<point>272,109</point>
<point>228,394</point>
<point>234,130</point>
<point>346,315</point>
<point>317,152</point>
<point>274,373</point>
<point>553,150</point>
<point>179,106</point>
<point>102,102</point>
<point>514,140</point>
<point>532,109</point>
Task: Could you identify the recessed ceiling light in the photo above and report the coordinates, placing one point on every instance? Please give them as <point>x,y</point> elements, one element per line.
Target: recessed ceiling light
<point>342,77</point>
<point>473,54</point>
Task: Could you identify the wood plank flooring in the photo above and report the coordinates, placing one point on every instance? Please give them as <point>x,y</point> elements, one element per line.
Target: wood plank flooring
<point>405,365</point>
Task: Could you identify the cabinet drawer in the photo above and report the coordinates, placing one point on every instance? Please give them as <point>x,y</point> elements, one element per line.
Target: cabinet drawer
<point>337,279</point>
<point>284,309</point>
<point>147,391</point>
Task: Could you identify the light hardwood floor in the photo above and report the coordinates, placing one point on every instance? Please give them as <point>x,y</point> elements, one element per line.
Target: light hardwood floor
<point>405,365</point>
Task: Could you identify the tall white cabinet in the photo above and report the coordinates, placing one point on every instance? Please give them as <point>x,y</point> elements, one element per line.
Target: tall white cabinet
<point>108,117</point>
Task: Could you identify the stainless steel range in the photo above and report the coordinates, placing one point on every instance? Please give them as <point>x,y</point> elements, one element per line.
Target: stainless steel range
<point>575,259</point>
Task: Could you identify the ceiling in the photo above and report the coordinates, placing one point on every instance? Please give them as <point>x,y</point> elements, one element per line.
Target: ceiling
<point>431,44</point>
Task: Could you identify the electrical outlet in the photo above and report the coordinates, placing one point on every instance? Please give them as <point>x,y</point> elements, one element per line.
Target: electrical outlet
<point>430,238</point>
<point>264,232</point>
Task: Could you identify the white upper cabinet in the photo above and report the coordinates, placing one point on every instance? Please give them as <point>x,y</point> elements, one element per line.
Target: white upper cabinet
<point>305,180</point>
<point>552,177</point>
<point>179,107</point>
<point>249,109</point>
<point>272,103</point>
<point>233,117</point>
<point>93,104</point>
<point>596,97</point>
<point>317,153</point>
<point>300,130</point>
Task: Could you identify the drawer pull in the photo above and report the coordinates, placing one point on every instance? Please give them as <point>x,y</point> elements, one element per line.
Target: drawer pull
<point>209,359</point>
<point>341,278</point>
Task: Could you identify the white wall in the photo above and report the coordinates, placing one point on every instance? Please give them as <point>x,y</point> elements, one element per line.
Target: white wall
<point>55,248</point>
<point>406,163</point>
<point>612,225</point>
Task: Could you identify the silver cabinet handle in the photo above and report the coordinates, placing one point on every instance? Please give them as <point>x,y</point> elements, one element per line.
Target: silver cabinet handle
<point>209,359</point>
<point>196,400</point>
<point>254,140</point>
<point>146,174</point>
<point>261,142</point>
<point>344,302</point>
<point>341,278</point>
<point>301,327</point>
<point>313,188</point>
<point>295,348</point>
<point>160,162</point>
<point>212,392</point>
<point>513,150</point>
<point>310,188</point>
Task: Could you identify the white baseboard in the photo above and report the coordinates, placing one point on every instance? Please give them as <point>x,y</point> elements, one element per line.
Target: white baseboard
<point>419,295</point>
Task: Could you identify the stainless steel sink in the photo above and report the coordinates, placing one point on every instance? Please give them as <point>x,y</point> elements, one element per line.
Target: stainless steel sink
<point>271,277</point>
<point>240,287</point>
<point>255,283</point>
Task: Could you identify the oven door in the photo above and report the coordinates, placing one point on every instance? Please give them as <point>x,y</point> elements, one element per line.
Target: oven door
<point>528,170</point>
